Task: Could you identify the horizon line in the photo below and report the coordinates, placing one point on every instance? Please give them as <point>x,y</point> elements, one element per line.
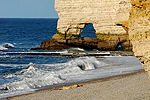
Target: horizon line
<point>31,17</point>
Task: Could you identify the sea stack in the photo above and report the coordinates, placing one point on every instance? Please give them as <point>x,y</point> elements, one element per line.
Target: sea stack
<point>107,17</point>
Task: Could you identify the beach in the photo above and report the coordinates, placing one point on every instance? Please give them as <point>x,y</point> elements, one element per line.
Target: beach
<point>124,87</point>
<point>37,75</point>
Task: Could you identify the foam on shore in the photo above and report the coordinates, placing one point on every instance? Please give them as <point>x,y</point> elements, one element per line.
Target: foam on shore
<point>36,76</point>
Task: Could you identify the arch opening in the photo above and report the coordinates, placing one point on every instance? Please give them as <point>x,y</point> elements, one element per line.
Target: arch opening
<point>88,31</point>
<point>119,47</point>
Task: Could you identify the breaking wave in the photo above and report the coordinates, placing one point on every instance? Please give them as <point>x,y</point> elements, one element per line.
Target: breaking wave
<point>5,46</point>
<point>34,76</point>
<point>86,63</point>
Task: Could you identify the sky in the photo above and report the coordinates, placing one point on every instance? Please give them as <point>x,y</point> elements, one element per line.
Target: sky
<point>27,9</point>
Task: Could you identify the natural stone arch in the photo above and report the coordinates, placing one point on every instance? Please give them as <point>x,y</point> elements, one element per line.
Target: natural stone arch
<point>89,28</point>
<point>104,14</point>
<point>119,46</point>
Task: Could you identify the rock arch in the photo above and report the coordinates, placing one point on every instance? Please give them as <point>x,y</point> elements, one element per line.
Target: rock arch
<point>105,16</point>
<point>119,46</point>
<point>74,15</point>
<point>88,31</point>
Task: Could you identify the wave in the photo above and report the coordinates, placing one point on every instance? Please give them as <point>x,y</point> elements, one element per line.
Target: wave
<point>5,46</point>
<point>78,49</point>
<point>75,50</point>
<point>86,63</point>
<point>71,50</point>
<point>30,78</point>
<point>34,75</point>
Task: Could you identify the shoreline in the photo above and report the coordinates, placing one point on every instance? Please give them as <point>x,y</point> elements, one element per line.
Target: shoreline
<point>59,88</point>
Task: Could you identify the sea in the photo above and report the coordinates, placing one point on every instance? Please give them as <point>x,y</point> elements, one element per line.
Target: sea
<point>22,74</point>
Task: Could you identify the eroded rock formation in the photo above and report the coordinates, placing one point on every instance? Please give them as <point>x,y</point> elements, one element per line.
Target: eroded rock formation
<point>107,17</point>
<point>86,43</point>
<point>139,31</point>
<point>74,15</point>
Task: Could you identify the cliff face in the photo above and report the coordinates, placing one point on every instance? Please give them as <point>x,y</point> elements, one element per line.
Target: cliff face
<point>139,31</point>
<point>105,15</point>
<point>74,15</point>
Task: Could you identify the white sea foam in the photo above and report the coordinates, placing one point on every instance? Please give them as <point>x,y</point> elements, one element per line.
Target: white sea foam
<point>80,49</point>
<point>34,76</point>
<point>65,51</point>
<point>8,45</point>
<point>5,46</point>
<point>79,69</point>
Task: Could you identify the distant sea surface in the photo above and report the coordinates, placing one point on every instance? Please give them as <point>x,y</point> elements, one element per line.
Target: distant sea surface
<point>20,74</point>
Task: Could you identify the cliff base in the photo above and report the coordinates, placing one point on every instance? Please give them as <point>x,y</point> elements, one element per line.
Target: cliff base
<point>86,43</point>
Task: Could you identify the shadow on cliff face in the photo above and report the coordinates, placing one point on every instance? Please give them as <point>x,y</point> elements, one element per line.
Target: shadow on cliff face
<point>88,31</point>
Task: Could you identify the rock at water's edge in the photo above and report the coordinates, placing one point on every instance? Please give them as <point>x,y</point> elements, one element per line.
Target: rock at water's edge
<point>85,43</point>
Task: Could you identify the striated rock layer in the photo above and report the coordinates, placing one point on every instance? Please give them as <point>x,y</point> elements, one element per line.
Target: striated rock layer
<point>139,31</point>
<point>105,15</point>
<point>86,43</point>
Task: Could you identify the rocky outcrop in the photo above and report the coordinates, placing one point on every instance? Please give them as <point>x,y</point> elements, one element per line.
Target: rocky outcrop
<point>105,15</point>
<point>139,31</point>
<point>86,43</point>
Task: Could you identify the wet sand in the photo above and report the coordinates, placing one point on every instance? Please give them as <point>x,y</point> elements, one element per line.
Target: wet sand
<point>133,86</point>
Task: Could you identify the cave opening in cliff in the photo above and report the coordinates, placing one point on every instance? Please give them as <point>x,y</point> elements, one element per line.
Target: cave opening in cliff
<point>119,47</point>
<point>88,31</point>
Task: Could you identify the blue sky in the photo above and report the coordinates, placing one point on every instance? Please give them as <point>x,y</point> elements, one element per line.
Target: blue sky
<point>27,9</point>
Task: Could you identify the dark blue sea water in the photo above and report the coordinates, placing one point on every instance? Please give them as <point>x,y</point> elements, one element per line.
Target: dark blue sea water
<point>26,33</point>
<point>21,74</point>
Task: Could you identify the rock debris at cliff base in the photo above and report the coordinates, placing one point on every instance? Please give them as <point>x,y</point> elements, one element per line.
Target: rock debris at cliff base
<point>86,43</point>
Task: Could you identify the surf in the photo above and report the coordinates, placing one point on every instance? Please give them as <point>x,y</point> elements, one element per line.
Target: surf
<point>6,46</point>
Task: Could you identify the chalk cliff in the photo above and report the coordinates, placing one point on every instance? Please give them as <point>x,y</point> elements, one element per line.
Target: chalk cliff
<point>107,17</point>
<point>139,31</point>
<point>74,15</point>
<point>133,18</point>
